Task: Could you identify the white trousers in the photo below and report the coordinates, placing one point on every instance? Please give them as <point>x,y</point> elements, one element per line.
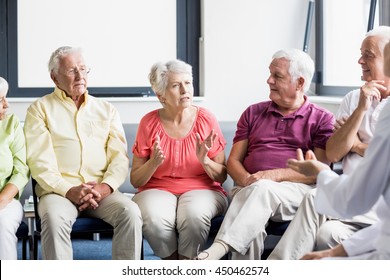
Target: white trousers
<point>10,219</point>
<point>58,214</point>
<point>243,228</point>
<point>178,223</point>
<point>310,231</point>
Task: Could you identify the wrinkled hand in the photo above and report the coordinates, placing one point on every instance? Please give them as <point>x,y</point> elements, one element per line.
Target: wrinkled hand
<point>317,255</point>
<point>102,188</point>
<point>369,91</point>
<point>157,154</point>
<point>308,166</point>
<point>84,196</point>
<point>202,148</point>
<point>252,178</point>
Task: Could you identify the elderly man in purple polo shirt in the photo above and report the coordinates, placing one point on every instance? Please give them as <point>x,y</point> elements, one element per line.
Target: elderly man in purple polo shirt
<point>268,134</point>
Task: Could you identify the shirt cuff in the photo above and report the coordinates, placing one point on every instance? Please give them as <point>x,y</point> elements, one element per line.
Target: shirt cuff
<point>19,181</point>
<point>63,188</point>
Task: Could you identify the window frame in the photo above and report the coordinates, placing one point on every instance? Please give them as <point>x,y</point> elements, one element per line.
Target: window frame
<point>320,88</point>
<point>188,29</point>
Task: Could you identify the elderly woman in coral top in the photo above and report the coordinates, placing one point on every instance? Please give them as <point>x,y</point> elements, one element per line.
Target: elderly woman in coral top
<point>178,166</point>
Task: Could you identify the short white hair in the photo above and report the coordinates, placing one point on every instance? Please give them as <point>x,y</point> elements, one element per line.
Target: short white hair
<point>301,65</point>
<point>55,57</point>
<point>158,75</point>
<point>3,86</point>
<point>380,31</point>
<point>383,33</point>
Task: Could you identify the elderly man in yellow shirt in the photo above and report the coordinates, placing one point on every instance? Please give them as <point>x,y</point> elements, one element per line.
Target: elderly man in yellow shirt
<point>77,152</point>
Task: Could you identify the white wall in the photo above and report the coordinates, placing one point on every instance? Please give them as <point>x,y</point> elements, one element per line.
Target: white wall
<point>239,38</point>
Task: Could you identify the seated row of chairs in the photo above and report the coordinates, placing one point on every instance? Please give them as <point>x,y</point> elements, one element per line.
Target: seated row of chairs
<point>86,227</point>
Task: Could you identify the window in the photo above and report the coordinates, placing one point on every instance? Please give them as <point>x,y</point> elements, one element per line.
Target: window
<point>121,40</point>
<point>340,29</point>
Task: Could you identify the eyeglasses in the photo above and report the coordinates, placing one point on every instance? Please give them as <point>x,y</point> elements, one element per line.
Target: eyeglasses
<point>81,71</point>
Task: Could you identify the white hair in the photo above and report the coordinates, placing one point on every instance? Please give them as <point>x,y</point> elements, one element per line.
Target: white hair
<point>3,87</point>
<point>54,60</point>
<point>158,75</point>
<point>301,65</point>
<point>383,33</point>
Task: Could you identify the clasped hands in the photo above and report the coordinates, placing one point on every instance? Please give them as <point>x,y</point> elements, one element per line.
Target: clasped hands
<point>88,195</point>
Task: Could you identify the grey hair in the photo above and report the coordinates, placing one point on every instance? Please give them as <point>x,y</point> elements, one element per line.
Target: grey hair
<point>158,75</point>
<point>380,31</point>
<point>54,60</point>
<point>301,65</point>
<point>383,32</point>
<point>3,86</point>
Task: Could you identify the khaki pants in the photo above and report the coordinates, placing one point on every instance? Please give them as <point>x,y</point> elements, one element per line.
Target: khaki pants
<point>243,228</point>
<point>58,215</point>
<point>178,223</point>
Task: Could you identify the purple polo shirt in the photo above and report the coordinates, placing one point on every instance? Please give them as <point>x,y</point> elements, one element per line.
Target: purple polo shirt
<point>274,138</point>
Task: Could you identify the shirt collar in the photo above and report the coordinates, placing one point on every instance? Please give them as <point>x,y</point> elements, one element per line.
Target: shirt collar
<point>300,112</point>
<point>62,95</point>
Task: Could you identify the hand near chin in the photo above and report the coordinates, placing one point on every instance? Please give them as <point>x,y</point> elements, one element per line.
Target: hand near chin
<point>308,165</point>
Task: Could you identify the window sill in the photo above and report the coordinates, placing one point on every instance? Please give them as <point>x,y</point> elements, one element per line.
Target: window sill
<point>336,100</point>
<point>109,99</point>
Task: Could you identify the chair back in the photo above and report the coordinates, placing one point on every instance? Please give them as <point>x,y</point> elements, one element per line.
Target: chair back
<point>35,200</point>
<point>23,234</point>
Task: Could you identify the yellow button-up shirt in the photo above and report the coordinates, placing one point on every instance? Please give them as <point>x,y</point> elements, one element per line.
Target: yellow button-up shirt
<point>67,146</point>
<point>13,167</point>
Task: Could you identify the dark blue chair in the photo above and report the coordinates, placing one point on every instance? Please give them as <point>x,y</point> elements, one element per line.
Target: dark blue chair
<point>84,227</point>
<point>276,228</point>
<point>23,234</point>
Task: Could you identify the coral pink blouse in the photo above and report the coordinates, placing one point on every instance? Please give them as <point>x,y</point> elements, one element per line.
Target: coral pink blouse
<point>181,170</point>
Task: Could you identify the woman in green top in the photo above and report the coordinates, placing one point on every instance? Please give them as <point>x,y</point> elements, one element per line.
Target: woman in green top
<point>14,175</point>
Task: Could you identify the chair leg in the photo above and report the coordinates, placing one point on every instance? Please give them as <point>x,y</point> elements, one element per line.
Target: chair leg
<point>31,247</point>
<point>142,249</point>
<point>35,247</point>
<point>24,248</point>
<point>96,236</point>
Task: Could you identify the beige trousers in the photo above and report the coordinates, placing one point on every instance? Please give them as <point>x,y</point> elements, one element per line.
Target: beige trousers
<point>243,228</point>
<point>310,231</point>
<point>58,214</point>
<point>10,218</point>
<point>178,223</point>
